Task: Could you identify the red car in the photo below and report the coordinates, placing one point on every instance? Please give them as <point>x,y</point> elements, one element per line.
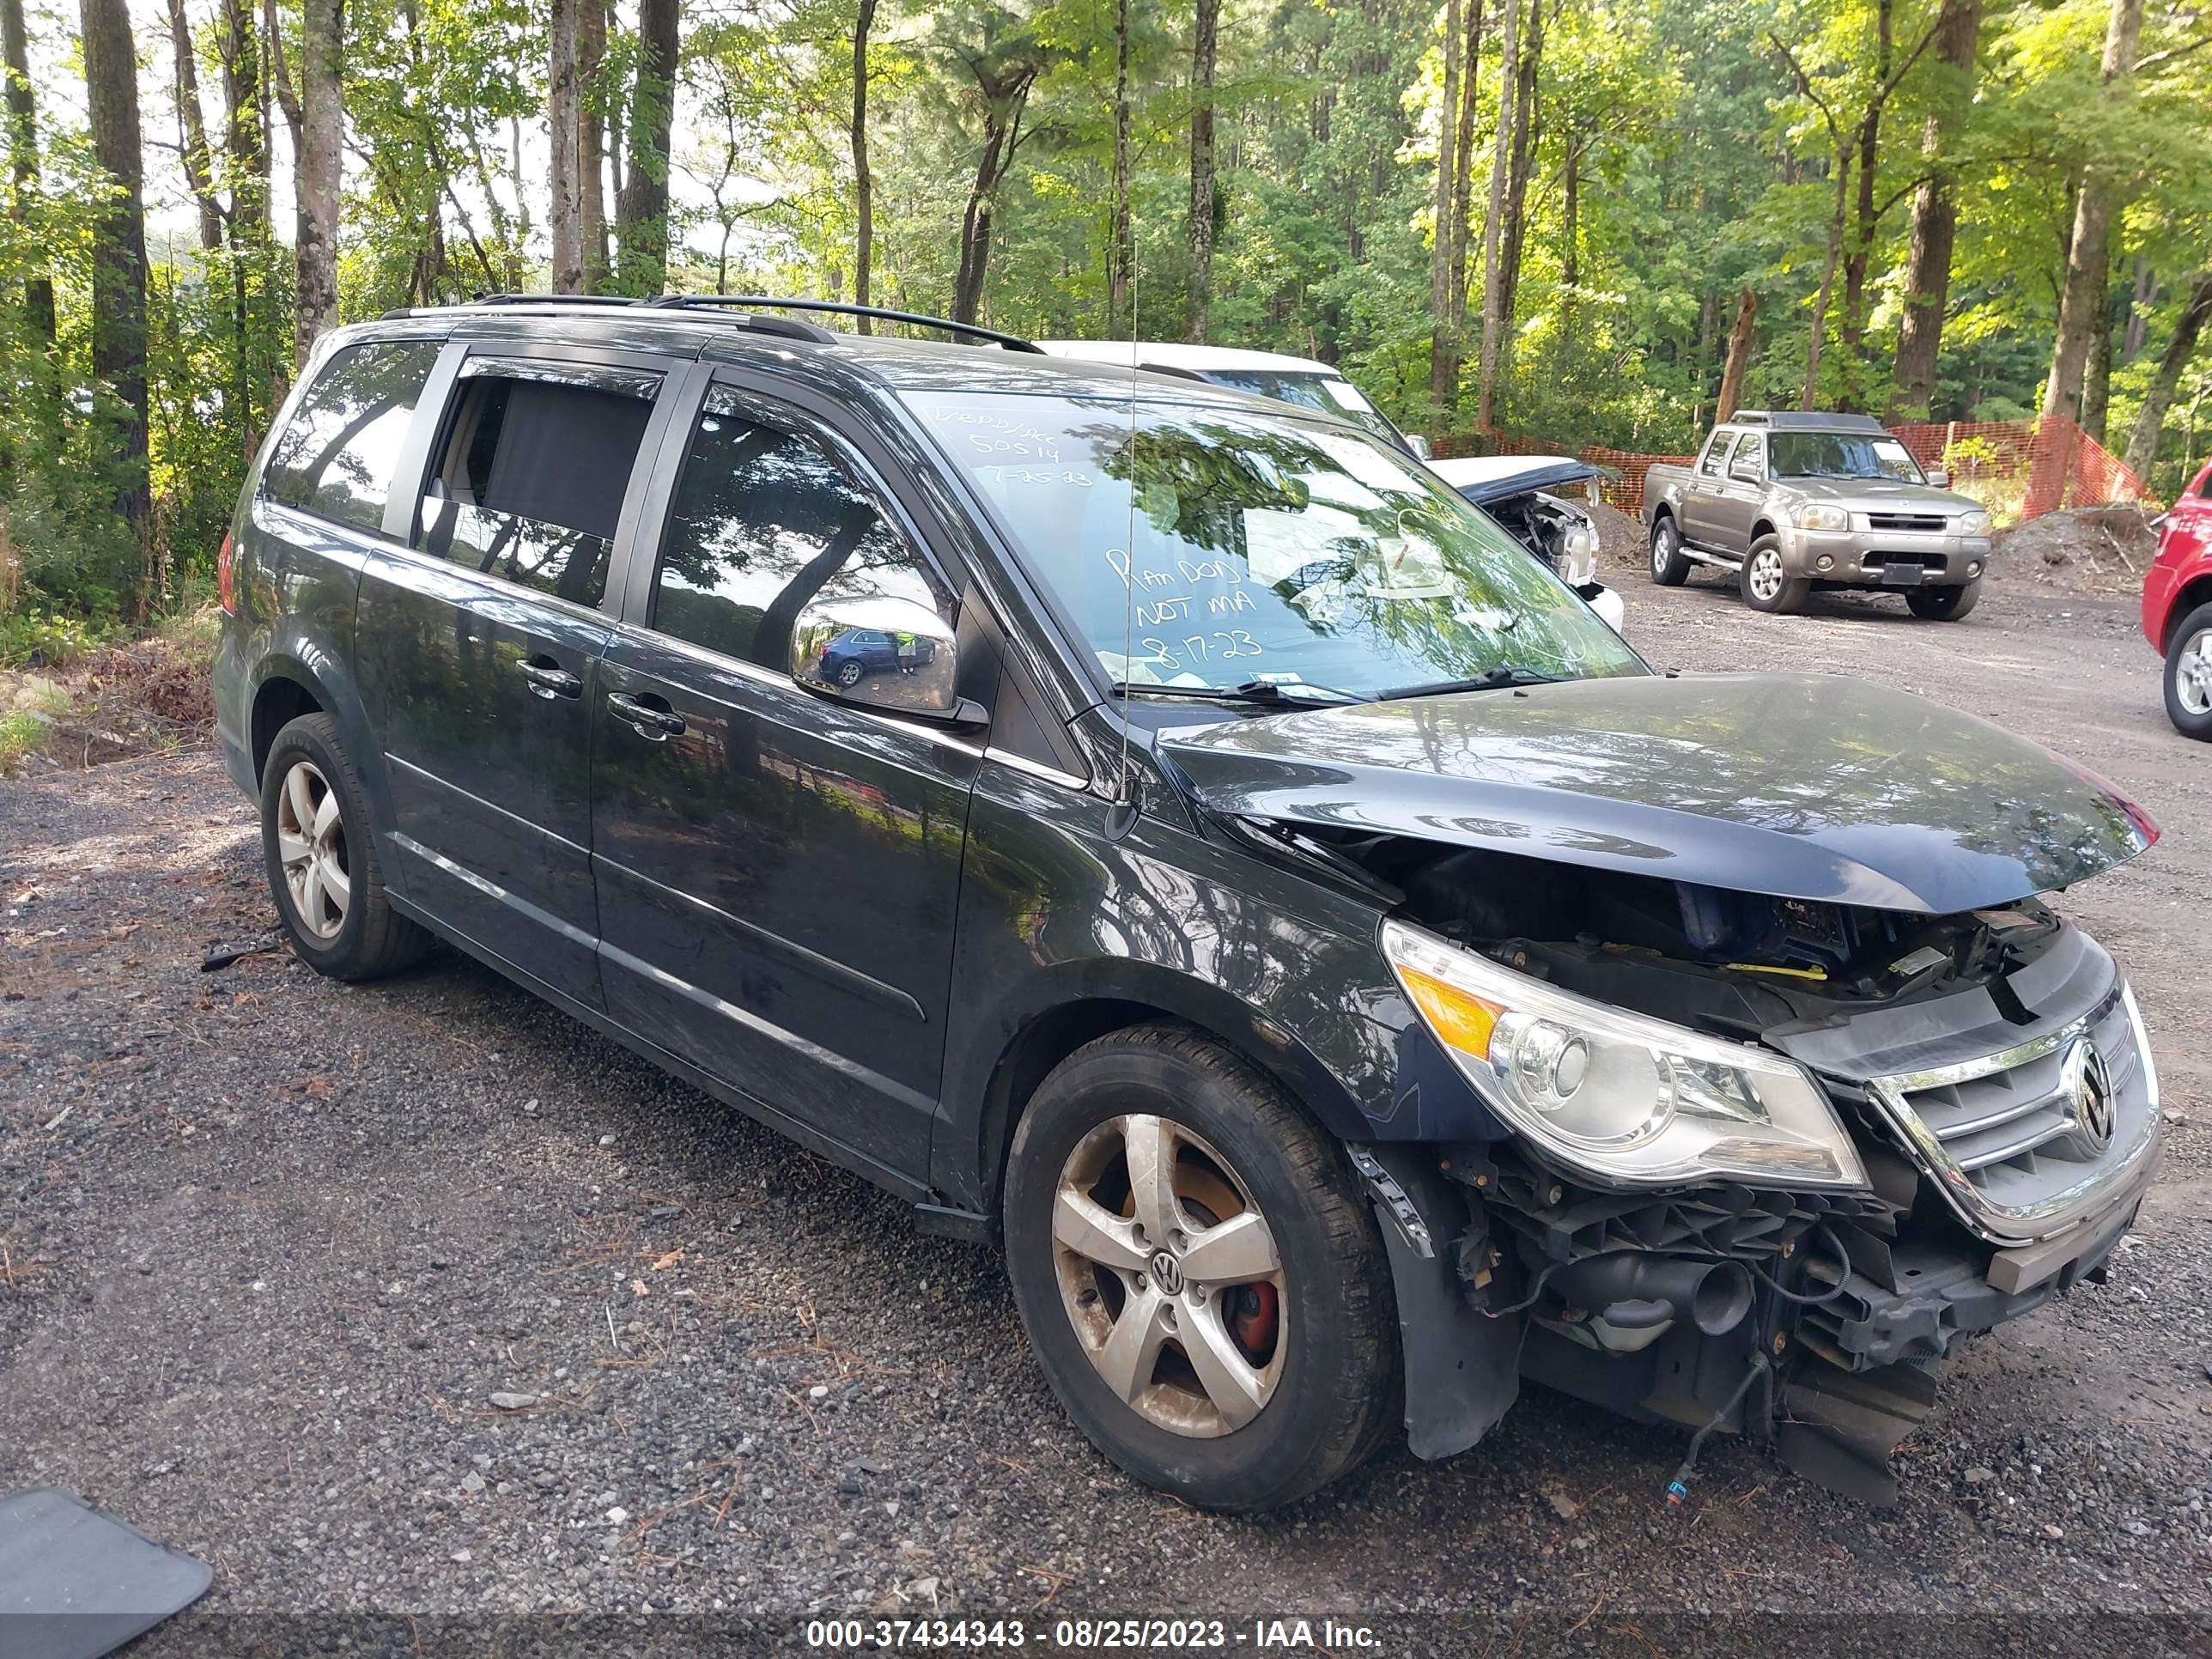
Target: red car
<point>2177,607</point>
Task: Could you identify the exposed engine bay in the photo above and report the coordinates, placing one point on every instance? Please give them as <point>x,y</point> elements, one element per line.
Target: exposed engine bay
<point>1811,1320</point>
<point>1556,532</point>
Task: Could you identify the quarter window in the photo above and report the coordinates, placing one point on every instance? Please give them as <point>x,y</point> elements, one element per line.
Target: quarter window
<point>338,451</point>
<point>1716,449</point>
<point>531,475</point>
<point>764,520</point>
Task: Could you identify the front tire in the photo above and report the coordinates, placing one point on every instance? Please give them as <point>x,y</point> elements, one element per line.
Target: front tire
<point>1670,566</point>
<point>1199,1273</point>
<point>2189,675</point>
<point>1766,581</point>
<point>321,859</point>
<point>1944,604</point>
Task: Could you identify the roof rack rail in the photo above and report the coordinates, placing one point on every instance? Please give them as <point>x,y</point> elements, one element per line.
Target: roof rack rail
<point>1806,419</point>
<point>842,308</point>
<point>789,327</point>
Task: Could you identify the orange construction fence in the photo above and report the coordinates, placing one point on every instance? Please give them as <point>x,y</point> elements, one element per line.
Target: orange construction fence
<point>2023,469</point>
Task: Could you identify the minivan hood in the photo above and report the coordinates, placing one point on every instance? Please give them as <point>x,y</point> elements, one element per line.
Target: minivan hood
<point>1801,785</point>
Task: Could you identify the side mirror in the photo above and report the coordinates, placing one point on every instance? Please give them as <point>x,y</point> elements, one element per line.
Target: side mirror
<point>882,653</point>
<point>1419,445</point>
<point>1938,478</point>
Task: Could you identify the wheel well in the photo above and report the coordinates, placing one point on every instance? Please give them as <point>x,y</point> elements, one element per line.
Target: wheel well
<point>1661,513</point>
<point>1038,1047</point>
<point>275,706</point>
<point>2194,594</point>
<point>1762,528</point>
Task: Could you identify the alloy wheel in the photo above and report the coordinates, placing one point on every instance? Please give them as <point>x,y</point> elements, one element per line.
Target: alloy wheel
<point>1170,1276</point>
<point>1662,548</point>
<point>311,844</point>
<point>1764,574</point>
<point>2192,673</point>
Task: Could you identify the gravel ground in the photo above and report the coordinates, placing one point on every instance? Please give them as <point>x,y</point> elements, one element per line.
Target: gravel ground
<point>418,1300</point>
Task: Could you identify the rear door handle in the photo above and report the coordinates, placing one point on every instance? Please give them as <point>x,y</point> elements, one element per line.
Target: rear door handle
<point>548,679</point>
<point>655,724</point>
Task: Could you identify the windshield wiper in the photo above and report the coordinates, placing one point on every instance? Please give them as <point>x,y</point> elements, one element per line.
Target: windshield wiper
<point>1313,697</point>
<point>1506,673</point>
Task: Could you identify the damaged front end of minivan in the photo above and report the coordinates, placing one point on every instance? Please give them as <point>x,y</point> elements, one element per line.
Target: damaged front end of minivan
<point>1748,1156</point>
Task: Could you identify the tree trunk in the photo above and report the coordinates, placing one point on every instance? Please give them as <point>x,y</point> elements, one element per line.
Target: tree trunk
<point>1443,355</point>
<point>1817,337</point>
<point>1118,310</point>
<point>2097,372</point>
<point>322,58</point>
<point>1493,222</point>
<point>564,221</point>
<point>641,210</point>
<point>246,137</point>
<point>1203,51</point>
<point>1570,232</point>
<point>976,223</point>
<point>191,129</point>
<point>1527,128</point>
<point>864,231</point>
<point>2142,443</point>
<point>591,140</point>
<point>23,160</point>
<point>1862,238</point>
<point>1738,356</point>
<point>2084,295</point>
<point>1935,218</point>
<point>1463,203</point>
<point>119,253</point>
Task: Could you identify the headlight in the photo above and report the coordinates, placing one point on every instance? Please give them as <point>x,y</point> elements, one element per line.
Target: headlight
<point>1630,1100</point>
<point>1578,556</point>
<point>1819,516</point>
<point>1974,524</point>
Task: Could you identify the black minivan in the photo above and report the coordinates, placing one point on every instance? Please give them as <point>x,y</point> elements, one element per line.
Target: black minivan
<point>1173,834</point>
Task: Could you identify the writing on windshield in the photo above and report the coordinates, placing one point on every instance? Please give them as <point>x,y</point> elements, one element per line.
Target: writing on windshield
<point>1206,548</point>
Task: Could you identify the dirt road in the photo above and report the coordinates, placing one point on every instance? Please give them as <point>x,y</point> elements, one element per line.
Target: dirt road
<point>283,1256</point>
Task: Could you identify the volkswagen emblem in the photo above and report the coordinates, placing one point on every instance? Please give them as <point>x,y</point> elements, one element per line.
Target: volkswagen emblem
<point>1167,1273</point>
<point>2088,1092</point>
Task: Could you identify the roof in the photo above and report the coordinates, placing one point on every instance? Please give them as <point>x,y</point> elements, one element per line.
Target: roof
<point>1804,420</point>
<point>740,336</point>
<point>1176,354</point>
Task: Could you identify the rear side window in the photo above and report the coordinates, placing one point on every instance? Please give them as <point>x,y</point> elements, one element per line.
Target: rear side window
<point>1715,453</point>
<point>336,455</point>
<point>531,475</point>
<point>764,520</point>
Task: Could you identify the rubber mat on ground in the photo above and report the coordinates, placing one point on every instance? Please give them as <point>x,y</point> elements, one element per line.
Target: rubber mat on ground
<point>75,1584</point>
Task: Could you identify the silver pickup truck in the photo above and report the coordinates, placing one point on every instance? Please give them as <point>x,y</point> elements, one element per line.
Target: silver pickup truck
<point>1794,501</point>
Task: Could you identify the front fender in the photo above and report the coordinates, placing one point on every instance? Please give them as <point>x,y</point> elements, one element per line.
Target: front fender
<point>1057,915</point>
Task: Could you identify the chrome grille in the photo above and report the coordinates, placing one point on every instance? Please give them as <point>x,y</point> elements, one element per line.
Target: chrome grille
<point>2023,1140</point>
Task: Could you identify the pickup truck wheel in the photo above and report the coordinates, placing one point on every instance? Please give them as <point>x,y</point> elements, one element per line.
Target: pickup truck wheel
<point>1670,566</point>
<point>1767,584</point>
<point>1199,1273</point>
<point>1944,604</point>
<point>2189,676</point>
<point>323,871</point>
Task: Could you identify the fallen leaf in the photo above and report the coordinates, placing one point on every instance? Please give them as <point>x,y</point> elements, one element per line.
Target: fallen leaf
<point>637,1287</point>
<point>669,1260</point>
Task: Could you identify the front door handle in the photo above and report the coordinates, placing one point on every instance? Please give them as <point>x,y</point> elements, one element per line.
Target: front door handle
<point>655,725</point>
<point>548,679</point>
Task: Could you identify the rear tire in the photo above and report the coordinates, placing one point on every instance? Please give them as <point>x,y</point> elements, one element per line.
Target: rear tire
<point>1944,604</point>
<point>1766,581</point>
<point>2189,675</point>
<point>1136,1344</point>
<point>1670,566</point>
<point>321,859</point>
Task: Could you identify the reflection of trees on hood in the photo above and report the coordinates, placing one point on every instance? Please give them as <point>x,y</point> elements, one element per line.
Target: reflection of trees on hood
<point>1809,756</point>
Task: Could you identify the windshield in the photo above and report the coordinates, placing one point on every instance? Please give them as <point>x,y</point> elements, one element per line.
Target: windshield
<point>1329,392</point>
<point>1840,455</point>
<point>1265,549</point>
